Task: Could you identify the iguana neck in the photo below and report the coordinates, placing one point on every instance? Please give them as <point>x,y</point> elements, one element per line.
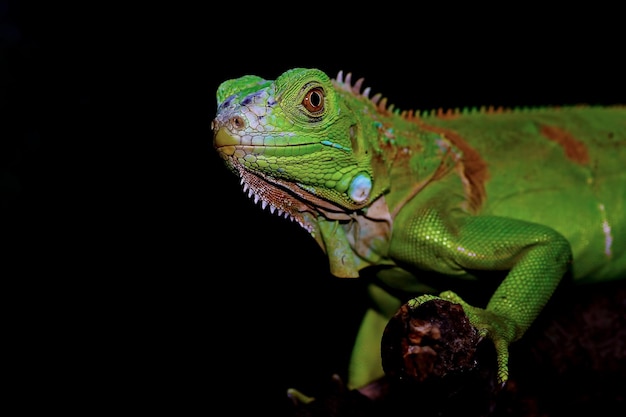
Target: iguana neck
<point>405,152</point>
<point>410,154</point>
<point>409,151</point>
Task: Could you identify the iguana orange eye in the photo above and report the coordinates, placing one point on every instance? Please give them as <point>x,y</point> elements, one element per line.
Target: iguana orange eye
<point>314,100</point>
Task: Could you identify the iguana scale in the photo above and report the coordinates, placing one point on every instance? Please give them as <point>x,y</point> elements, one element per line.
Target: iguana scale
<point>516,198</point>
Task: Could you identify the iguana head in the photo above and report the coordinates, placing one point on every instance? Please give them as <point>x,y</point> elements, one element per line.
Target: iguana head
<point>296,144</point>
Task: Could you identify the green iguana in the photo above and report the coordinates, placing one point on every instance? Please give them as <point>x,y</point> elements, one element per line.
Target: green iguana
<point>515,197</point>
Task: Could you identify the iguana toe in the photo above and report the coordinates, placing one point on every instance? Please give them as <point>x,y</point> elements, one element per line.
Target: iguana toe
<point>299,398</point>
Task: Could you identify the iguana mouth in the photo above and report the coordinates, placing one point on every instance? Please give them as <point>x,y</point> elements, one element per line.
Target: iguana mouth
<point>281,197</point>
<point>227,143</point>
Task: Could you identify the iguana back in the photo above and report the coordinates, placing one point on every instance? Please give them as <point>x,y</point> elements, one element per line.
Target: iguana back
<point>562,167</point>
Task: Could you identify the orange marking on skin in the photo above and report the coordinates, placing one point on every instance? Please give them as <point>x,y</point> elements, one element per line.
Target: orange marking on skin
<point>474,169</point>
<point>574,149</point>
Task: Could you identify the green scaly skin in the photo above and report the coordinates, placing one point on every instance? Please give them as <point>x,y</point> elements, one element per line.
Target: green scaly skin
<point>520,197</point>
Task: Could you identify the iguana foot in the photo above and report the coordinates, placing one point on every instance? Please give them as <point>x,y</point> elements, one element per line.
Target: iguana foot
<point>299,398</point>
<point>488,324</point>
<point>338,400</point>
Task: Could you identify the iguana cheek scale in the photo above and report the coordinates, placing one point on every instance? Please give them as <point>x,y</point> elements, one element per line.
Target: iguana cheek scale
<point>434,197</point>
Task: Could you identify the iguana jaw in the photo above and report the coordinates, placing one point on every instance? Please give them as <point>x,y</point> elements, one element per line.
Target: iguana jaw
<point>281,197</point>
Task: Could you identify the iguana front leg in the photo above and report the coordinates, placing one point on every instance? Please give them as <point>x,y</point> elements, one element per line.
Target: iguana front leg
<point>535,256</point>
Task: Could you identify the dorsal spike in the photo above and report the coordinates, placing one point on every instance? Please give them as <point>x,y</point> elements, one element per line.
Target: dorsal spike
<point>340,76</point>
<point>382,105</point>
<point>376,98</point>
<point>348,81</point>
<point>357,86</point>
<point>366,92</point>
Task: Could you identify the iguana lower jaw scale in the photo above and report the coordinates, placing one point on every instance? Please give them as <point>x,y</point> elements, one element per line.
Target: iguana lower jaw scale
<point>287,199</point>
<point>279,201</point>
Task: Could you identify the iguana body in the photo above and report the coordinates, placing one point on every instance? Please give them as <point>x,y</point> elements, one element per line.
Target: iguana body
<point>512,198</point>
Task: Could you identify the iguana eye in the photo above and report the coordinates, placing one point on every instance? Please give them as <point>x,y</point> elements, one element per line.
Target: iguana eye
<point>314,100</point>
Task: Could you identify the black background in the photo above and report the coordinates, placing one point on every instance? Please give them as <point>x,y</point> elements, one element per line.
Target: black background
<point>144,273</point>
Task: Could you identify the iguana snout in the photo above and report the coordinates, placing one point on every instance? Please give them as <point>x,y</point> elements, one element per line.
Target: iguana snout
<point>223,141</point>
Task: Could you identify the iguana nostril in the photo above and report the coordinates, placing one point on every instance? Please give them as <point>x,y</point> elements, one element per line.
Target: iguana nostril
<point>237,122</point>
